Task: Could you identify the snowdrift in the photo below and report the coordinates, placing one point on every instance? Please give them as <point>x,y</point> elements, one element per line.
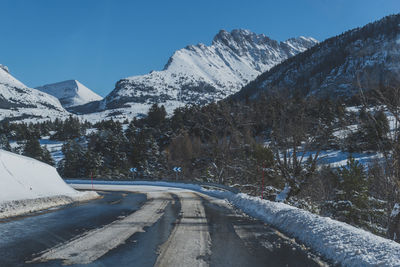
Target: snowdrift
<point>28,185</point>
<point>340,242</point>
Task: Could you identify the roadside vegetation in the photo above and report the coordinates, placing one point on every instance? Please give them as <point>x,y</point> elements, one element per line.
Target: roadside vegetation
<point>236,143</point>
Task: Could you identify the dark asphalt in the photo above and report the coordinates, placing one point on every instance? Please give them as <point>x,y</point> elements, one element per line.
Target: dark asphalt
<point>23,238</point>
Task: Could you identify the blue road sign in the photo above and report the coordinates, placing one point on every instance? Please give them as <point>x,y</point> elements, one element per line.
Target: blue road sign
<point>133,169</point>
<point>177,169</point>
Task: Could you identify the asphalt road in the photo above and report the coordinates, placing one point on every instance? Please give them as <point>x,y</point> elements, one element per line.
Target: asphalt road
<point>151,226</point>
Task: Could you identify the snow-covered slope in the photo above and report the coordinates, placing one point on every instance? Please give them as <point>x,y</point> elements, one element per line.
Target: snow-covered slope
<point>199,74</point>
<point>28,185</point>
<point>70,93</point>
<point>358,60</point>
<point>19,102</point>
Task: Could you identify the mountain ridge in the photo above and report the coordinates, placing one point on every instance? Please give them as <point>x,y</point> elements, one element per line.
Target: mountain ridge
<point>70,93</point>
<point>339,67</point>
<point>199,74</point>
<point>19,102</point>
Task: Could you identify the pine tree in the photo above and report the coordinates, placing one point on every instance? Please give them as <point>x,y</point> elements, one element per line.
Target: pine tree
<point>69,129</point>
<point>373,132</point>
<point>131,131</point>
<point>351,201</point>
<point>93,162</point>
<point>46,157</point>
<point>33,149</point>
<point>4,144</point>
<point>156,115</point>
<point>72,166</point>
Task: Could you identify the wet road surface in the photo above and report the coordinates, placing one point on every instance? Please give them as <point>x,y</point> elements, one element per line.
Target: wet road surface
<point>152,226</point>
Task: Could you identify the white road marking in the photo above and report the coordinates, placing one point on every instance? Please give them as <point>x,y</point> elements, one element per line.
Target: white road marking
<point>189,243</point>
<point>94,244</point>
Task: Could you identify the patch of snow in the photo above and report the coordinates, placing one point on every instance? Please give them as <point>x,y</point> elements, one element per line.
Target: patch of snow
<point>28,185</point>
<point>54,147</point>
<point>282,196</point>
<point>395,210</point>
<point>338,158</point>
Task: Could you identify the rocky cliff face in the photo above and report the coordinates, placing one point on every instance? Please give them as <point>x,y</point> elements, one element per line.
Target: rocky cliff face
<point>358,60</point>
<point>199,74</point>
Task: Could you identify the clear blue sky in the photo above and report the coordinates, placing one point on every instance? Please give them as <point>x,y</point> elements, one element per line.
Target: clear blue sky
<point>100,41</point>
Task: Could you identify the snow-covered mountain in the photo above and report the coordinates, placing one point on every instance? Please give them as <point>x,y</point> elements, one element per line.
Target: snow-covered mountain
<point>342,66</point>
<point>199,74</point>
<point>70,93</point>
<point>19,102</point>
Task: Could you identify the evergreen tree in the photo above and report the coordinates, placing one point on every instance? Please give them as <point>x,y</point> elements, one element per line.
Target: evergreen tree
<point>73,164</point>
<point>46,157</point>
<point>33,149</point>
<point>131,131</point>
<point>4,144</point>
<point>372,134</point>
<point>156,115</point>
<point>69,129</point>
<point>93,162</point>
<point>351,201</point>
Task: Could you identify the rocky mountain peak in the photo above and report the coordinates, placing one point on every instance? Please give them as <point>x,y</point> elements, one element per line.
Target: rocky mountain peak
<point>5,68</point>
<point>241,37</point>
<point>199,74</point>
<point>70,93</point>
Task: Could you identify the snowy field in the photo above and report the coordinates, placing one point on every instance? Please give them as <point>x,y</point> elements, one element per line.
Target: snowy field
<point>338,158</point>
<point>28,185</point>
<point>54,147</point>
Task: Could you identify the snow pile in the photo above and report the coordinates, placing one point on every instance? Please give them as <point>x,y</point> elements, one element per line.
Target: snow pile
<point>336,241</point>
<point>27,185</point>
<point>208,188</point>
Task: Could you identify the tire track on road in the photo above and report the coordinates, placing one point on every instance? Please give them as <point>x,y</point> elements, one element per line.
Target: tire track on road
<point>94,244</point>
<point>189,243</point>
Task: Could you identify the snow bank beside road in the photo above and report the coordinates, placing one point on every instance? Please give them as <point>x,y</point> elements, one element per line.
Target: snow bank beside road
<point>336,241</point>
<point>28,185</point>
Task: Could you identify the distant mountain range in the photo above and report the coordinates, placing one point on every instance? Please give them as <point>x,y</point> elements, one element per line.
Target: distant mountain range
<point>19,102</point>
<point>70,93</point>
<point>199,74</point>
<point>238,63</point>
<point>340,67</point>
